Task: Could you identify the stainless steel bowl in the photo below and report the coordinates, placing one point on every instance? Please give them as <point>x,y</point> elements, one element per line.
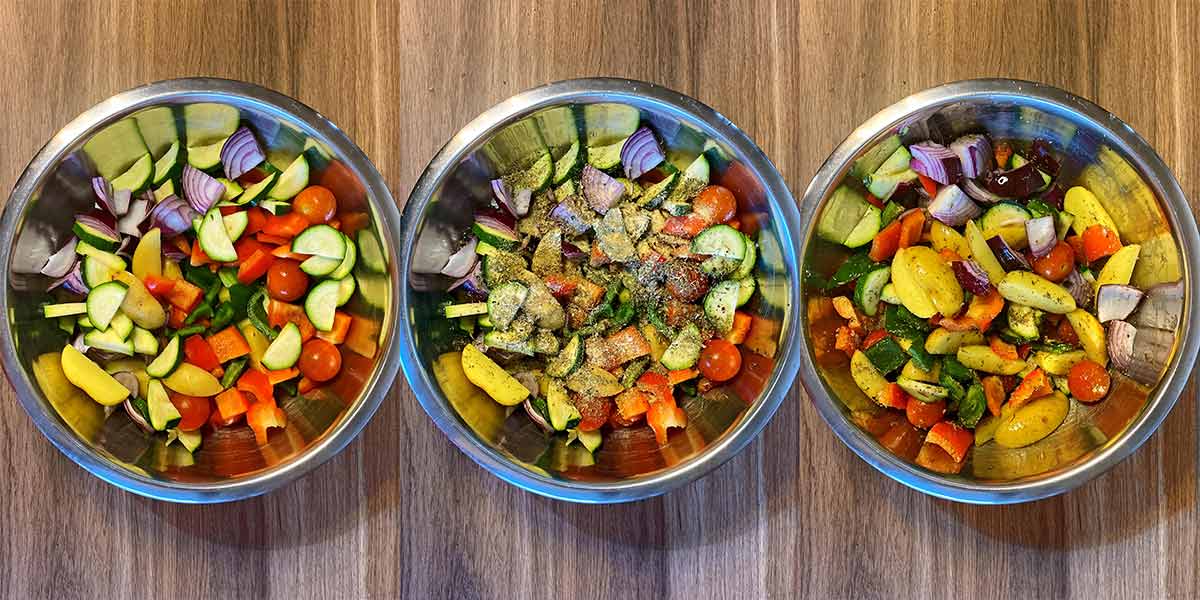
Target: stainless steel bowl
<point>1131,181</point>
<point>230,465</point>
<point>630,465</point>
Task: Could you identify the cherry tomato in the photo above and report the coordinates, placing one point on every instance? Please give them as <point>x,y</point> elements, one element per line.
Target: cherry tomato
<point>685,282</point>
<point>1098,242</point>
<point>285,281</point>
<point>720,360</point>
<point>1088,381</point>
<point>320,360</point>
<point>715,204</point>
<point>1057,263</point>
<point>193,410</point>
<point>594,411</point>
<point>316,204</point>
<point>925,414</point>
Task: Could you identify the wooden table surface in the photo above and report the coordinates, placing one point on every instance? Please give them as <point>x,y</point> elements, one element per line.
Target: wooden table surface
<point>401,513</point>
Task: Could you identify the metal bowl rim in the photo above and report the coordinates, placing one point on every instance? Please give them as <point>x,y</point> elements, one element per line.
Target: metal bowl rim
<point>238,93</point>
<point>1156,175</point>
<point>784,214</point>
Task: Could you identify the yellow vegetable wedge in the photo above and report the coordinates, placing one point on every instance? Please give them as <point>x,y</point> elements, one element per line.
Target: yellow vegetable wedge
<point>1033,290</point>
<point>868,378</point>
<point>1119,268</point>
<point>912,295</point>
<point>943,341</point>
<point>190,380</point>
<point>89,377</point>
<point>485,373</point>
<point>1087,210</point>
<point>1034,421</point>
<point>982,358</point>
<point>1091,335</point>
<point>147,257</point>
<point>256,340</point>
<point>982,253</point>
<point>143,308</point>
<point>934,274</point>
<point>944,237</point>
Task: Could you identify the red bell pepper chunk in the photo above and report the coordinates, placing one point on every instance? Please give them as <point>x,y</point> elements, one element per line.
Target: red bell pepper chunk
<point>257,384</point>
<point>246,245</point>
<point>952,438</point>
<point>679,376</point>
<point>912,225</point>
<point>1003,349</point>
<point>632,404</point>
<point>993,390</point>
<point>741,328</point>
<point>628,344</point>
<point>263,416</point>
<point>873,337</point>
<point>886,242</point>
<point>979,313</point>
<point>663,414</point>
<point>198,257</point>
<point>273,239</point>
<point>893,396</point>
<point>650,379</point>
<point>158,287</point>
<point>199,353</point>
<point>254,267</point>
<point>175,317</point>
<point>561,286</point>
<point>256,219</point>
<point>873,201</point>
<point>184,296</point>
<point>1034,385</point>
<point>285,226</point>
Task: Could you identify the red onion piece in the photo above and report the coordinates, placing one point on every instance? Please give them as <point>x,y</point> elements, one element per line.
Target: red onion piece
<point>978,192</point>
<point>952,206</point>
<point>201,190</point>
<point>567,214</point>
<point>502,216</point>
<point>173,253</point>
<point>1016,183</point>
<point>496,224</point>
<point>461,262</point>
<point>1141,353</point>
<point>936,162</point>
<point>537,417</point>
<point>1040,155</point>
<point>1080,289</point>
<point>1042,236</point>
<point>503,196</point>
<point>1162,307</point>
<point>640,153</point>
<point>572,253</point>
<point>472,283</point>
<point>136,416</point>
<point>521,201</point>
<point>1116,302</point>
<point>172,215</point>
<point>1054,196</point>
<point>72,281</point>
<point>1010,259</point>
<point>98,225</point>
<point>240,153</point>
<point>80,345</point>
<point>974,153</point>
<point>130,223</point>
<point>1120,344</point>
<point>971,276</point>
<point>114,203</point>
<point>600,190</point>
<point>61,262</point>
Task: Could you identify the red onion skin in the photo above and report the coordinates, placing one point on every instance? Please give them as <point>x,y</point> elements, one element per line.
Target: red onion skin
<point>241,153</point>
<point>465,256</point>
<point>971,276</point>
<point>947,171</point>
<point>1040,155</point>
<point>974,154</point>
<point>953,207</point>
<point>641,153</point>
<point>1042,235</point>
<point>503,196</point>
<point>1016,183</point>
<point>1009,258</point>
<point>600,190</point>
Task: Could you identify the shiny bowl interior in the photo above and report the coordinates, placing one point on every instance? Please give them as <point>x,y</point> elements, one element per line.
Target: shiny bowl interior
<point>630,464</point>
<point>1099,152</point>
<point>229,465</point>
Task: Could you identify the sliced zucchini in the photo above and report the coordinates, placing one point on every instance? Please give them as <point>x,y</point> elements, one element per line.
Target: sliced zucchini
<point>164,190</point>
<point>654,195</point>
<point>591,380</point>
<point>121,325</point>
<point>205,157</point>
<point>346,288</point>
<point>258,192</point>
<point>320,240</point>
<point>168,165</point>
<point>348,261</point>
<point>94,238</point>
<point>509,341</point>
<point>536,177</point>
<point>720,240</point>
<point>563,413</point>
<point>284,351</point>
<point>108,341</point>
<point>214,239</point>
<point>207,122</point>
<point>684,350</point>
<point>65,309</point>
<point>235,224</point>
<point>749,259</point>
<point>607,158</point>
<point>569,359</point>
<point>590,439</point>
<point>720,304</point>
<point>607,122</point>
<point>371,252</point>
<point>719,268</point>
<point>1007,220</point>
<point>925,392</point>
<point>465,309</point>
<point>116,147</point>
<point>293,179</point>
<point>158,129</point>
<point>137,178</point>
<point>693,179</point>
<point>869,289</point>
<point>569,164</point>
<point>505,301</point>
<point>163,413</point>
<point>746,287</point>
<point>104,301</point>
<point>144,342</point>
<point>321,304</point>
<point>166,362</point>
<point>190,439</point>
<point>491,236</point>
<point>319,266</point>
<point>232,191</point>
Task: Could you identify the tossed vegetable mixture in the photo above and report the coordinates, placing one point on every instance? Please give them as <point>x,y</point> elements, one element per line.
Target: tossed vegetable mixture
<point>974,307</point>
<point>605,285</point>
<point>198,311</point>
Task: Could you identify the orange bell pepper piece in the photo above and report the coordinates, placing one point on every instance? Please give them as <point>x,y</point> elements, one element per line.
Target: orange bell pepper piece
<point>980,313</point>
<point>952,438</point>
<point>341,327</point>
<point>628,344</point>
<point>650,380</point>
<point>273,240</point>
<point>198,257</point>
<point>632,404</point>
<point>285,226</point>
<point>929,185</point>
<point>247,245</point>
<point>305,385</point>
<point>256,219</point>
<point>363,337</point>
<point>257,384</point>
<point>231,403</point>
<point>687,226</point>
<point>1003,151</point>
<point>912,225</point>
<point>282,313</point>
<point>663,414</point>
<point>184,296</point>
<point>741,328</point>
<point>679,376</point>
<point>1034,385</point>
<point>893,396</point>
<point>281,375</point>
<point>199,353</point>
<point>886,242</point>
<point>1002,348</point>
<point>228,344</point>
<point>263,416</point>
<point>255,266</point>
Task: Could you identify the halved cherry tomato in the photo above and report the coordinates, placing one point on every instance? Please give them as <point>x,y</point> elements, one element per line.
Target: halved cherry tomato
<point>285,280</point>
<point>715,204</point>
<point>1057,263</point>
<point>1088,381</point>
<point>193,411</point>
<point>315,203</point>
<point>1098,242</point>
<point>319,360</point>
<point>720,360</point>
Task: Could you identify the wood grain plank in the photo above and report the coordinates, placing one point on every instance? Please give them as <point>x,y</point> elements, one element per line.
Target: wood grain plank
<point>402,513</point>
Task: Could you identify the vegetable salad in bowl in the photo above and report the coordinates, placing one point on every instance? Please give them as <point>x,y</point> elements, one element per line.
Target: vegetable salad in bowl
<point>986,296</point>
<point>605,295</point>
<point>206,286</point>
